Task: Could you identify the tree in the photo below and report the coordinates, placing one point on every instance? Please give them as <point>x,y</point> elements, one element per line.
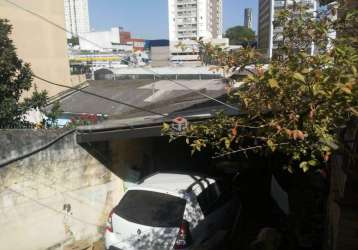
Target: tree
<point>73,41</point>
<point>295,105</point>
<point>240,35</point>
<point>15,78</point>
<point>53,115</point>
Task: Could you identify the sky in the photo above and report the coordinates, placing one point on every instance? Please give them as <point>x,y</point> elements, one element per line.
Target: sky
<point>148,19</point>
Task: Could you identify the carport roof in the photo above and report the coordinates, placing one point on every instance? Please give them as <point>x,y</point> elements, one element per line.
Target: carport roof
<point>146,126</point>
<point>162,96</point>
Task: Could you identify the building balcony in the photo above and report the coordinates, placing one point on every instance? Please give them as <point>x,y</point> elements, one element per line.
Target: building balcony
<point>189,15</point>
<point>186,2</point>
<point>187,36</point>
<point>186,22</point>
<point>188,30</point>
<point>187,7</point>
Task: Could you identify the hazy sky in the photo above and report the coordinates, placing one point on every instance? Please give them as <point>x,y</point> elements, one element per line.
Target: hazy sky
<point>149,18</point>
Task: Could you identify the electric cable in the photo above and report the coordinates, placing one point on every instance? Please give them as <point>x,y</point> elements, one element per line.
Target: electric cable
<point>47,145</point>
<point>53,209</point>
<point>147,69</point>
<point>100,96</point>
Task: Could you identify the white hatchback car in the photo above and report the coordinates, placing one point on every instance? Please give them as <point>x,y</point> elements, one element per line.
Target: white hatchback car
<point>168,211</point>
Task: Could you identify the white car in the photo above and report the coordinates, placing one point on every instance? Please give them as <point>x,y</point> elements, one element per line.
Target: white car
<point>168,211</point>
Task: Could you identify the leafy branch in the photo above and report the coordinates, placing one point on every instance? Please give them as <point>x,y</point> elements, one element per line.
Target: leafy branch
<point>295,104</point>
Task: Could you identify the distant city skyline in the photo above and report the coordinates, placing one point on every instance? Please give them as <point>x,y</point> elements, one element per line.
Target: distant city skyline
<point>149,19</point>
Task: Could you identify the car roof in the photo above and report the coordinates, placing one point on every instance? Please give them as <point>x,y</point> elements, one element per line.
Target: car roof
<point>177,182</point>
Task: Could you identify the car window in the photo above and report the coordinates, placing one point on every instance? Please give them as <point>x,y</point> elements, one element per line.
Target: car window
<point>151,208</point>
<point>208,198</point>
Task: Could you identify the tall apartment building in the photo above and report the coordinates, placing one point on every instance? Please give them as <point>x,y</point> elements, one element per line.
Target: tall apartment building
<point>248,18</point>
<point>268,36</point>
<point>76,17</point>
<point>190,20</point>
<point>38,42</point>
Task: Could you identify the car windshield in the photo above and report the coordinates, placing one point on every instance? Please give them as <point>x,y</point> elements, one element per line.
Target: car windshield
<point>151,208</point>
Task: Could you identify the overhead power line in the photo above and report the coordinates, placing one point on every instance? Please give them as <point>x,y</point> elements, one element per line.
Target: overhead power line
<point>100,96</point>
<point>54,209</point>
<point>101,47</point>
<point>50,22</point>
<point>32,152</point>
<point>205,95</point>
<point>65,192</point>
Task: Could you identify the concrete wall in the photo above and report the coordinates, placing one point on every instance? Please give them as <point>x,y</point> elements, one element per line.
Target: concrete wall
<point>38,42</point>
<point>160,56</point>
<point>57,196</point>
<point>78,79</point>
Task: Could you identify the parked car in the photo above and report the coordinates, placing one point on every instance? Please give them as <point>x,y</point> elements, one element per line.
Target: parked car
<point>169,211</point>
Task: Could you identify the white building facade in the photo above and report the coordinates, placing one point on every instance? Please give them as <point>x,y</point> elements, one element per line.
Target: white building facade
<point>101,40</point>
<point>76,17</point>
<point>191,20</point>
<point>268,35</point>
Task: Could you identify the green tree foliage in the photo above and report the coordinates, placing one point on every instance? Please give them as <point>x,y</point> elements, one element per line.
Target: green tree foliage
<point>240,35</point>
<point>73,41</point>
<point>53,115</point>
<point>15,78</point>
<point>295,105</point>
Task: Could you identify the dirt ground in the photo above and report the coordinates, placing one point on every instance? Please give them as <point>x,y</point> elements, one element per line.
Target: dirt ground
<point>86,245</point>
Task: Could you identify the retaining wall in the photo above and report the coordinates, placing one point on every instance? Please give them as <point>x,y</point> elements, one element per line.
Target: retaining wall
<point>57,196</point>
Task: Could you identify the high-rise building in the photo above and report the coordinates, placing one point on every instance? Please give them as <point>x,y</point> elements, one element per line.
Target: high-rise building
<point>248,18</point>
<point>192,19</point>
<point>268,35</point>
<point>76,17</point>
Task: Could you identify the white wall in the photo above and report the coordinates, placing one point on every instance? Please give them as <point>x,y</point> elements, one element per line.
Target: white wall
<point>100,40</point>
<point>172,15</point>
<point>192,47</point>
<point>203,25</point>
